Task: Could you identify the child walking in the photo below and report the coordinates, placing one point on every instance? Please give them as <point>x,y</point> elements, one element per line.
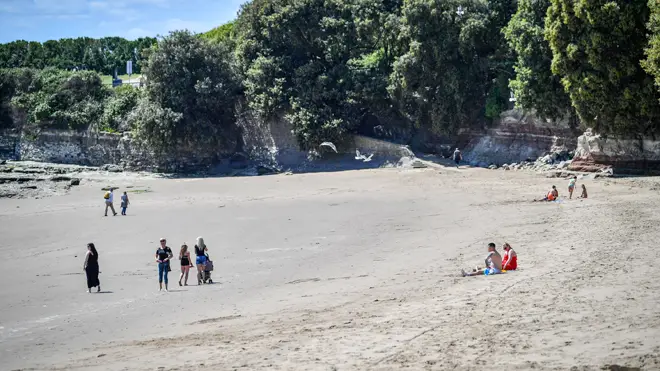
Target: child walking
<point>124,203</point>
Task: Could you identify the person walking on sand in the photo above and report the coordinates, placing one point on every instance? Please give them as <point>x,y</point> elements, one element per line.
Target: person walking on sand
<point>571,187</point>
<point>510,258</point>
<point>200,253</point>
<point>493,263</point>
<point>91,268</point>
<point>186,264</point>
<point>109,197</point>
<point>124,203</point>
<point>584,192</point>
<point>457,157</point>
<point>163,256</point>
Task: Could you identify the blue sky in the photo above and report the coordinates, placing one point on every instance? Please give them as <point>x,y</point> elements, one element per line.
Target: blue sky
<point>41,20</point>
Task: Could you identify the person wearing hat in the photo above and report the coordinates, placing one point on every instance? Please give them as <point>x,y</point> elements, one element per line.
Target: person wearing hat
<point>493,263</point>
<point>163,256</point>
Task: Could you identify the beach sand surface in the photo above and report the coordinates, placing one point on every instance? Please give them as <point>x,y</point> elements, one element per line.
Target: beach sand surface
<point>355,270</point>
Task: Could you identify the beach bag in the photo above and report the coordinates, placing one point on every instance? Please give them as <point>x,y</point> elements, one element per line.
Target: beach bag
<point>106,195</point>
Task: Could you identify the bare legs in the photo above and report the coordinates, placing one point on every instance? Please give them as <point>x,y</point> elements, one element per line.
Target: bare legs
<point>200,273</point>
<point>184,273</point>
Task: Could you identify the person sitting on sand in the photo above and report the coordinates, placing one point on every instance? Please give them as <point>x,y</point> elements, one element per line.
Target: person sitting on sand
<point>584,192</point>
<point>493,263</point>
<point>551,196</point>
<point>571,187</point>
<point>510,258</point>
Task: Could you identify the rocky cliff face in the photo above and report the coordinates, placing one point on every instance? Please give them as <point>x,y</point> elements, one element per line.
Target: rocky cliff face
<point>97,149</point>
<point>516,137</point>
<point>625,156</point>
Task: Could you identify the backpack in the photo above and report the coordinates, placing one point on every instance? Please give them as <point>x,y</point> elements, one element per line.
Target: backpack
<point>106,195</point>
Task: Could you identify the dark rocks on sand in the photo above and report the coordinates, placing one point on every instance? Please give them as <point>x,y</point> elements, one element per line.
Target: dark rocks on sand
<point>112,168</point>
<point>75,182</point>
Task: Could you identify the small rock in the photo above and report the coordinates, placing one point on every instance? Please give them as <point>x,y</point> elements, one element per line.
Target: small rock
<point>2,162</point>
<point>112,168</point>
<point>265,170</point>
<point>417,164</point>
<point>60,178</point>
<point>75,182</point>
<point>493,167</point>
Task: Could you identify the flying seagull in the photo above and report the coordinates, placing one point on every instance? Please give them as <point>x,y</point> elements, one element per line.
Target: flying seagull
<point>329,144</point>
<point>359,156</point>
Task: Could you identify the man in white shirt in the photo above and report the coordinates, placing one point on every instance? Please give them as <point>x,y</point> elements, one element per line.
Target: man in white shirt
<point>108,203</point>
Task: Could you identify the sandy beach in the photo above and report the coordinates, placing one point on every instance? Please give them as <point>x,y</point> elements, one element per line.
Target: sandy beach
<point>355,270</point>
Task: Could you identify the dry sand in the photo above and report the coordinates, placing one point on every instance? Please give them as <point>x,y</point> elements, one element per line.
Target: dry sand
<point>337,271</point>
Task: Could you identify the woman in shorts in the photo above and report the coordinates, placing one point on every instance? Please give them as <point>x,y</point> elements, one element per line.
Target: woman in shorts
<point>571,187</point>
<point>200,260</point>
<point>186,264</point>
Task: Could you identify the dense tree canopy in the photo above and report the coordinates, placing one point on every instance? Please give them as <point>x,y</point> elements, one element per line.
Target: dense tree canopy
<point>535,86</point>
<point>335,67</point>
<point>597,47</point>
<point>312,60</point>
<point>52,98</point>
<point>100,55</point>
<point>652,63</point>
<point>190,95</point>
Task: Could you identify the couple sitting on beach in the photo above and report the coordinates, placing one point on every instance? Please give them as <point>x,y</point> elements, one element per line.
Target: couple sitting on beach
<point>495,263</point>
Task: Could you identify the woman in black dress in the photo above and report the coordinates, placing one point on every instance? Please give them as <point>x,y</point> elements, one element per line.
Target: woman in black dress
<point>91,268</point>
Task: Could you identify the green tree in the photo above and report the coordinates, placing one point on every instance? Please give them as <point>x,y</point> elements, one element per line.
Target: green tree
<point>191,93</point>
<point>597,47</point>
<point>535,86</point>
<point>320,62</point>
<point>441,81</point>
<point>652,63</point>
<point>118,107</point>
<point>59,99</point>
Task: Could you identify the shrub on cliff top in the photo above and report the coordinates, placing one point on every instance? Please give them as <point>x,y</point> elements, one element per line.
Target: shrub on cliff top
<point>57,99</point>
<point>535,86</point>
<point>190,94</point>
<point>117,108</point>
<point>597,48</point>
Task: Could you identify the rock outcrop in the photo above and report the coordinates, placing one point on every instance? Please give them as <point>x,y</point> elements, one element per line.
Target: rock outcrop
<point>517,137</point>
<point>98,149</point>
<point>595,152</point>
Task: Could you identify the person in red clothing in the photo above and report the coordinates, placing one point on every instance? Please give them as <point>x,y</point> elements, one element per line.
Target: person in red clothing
<point>510,258</point>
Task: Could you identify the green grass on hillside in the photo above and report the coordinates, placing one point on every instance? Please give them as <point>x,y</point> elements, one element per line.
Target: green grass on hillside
<point>107,79</point>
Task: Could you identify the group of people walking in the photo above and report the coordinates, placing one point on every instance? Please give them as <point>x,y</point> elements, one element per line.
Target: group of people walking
<point>163,258</point>
<point>202,261</point>
<point>109,202</point>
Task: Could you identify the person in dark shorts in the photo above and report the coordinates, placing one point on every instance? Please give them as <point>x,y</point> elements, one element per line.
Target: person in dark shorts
<point>163,256</point>
<point>186,264</point>
<point>457,156</point>
<point>91,268</point>
<point>200,260</point>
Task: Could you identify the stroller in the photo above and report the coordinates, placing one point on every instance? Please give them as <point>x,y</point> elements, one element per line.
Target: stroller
<point>208,268</point>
